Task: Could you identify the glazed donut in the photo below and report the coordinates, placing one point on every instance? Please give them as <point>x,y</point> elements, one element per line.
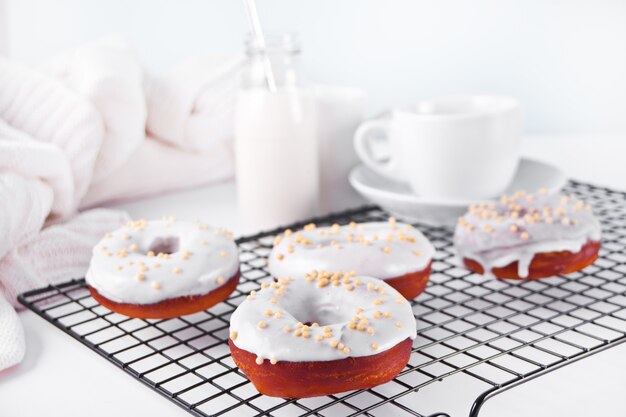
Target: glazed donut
<point>528,236</point>
<point>163,269</point>
<point>394,252</point>
<point>328,333</point>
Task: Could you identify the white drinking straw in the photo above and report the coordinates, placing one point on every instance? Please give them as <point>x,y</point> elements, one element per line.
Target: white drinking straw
<point>257,33</point>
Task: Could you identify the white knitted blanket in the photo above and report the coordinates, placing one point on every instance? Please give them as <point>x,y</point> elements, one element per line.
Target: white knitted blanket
<point>72,135</point>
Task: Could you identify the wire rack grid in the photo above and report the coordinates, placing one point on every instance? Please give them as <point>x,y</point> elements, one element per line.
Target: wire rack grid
<point>500,333</point>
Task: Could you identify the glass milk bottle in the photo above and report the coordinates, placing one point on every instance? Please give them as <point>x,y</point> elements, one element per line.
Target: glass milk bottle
<point>275,138</point>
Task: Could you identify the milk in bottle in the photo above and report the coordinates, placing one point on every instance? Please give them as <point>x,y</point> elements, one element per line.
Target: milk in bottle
<point>275,139</point>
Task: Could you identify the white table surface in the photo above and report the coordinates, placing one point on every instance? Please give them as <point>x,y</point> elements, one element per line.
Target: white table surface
<point>60,377</point>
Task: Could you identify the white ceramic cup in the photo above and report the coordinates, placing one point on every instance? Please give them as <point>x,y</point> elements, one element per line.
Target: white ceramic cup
<point>456,147</point>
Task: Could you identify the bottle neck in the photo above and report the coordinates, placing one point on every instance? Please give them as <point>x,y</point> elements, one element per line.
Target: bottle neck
<point>278,56</point>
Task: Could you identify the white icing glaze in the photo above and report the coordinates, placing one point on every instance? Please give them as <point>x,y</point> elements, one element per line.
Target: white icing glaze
<point>494,236</point>
<point>303,300</point>
<point>203,259</point>
<point>381,249</point>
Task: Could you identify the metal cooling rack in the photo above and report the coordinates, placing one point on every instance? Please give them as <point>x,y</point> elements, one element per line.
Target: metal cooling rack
<point>496,333</point>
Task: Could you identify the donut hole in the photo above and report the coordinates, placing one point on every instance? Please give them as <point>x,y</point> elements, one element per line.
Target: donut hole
<point>168,245</point>
<point>324,314</point>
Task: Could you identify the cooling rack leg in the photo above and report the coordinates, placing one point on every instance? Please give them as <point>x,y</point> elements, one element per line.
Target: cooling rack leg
<point>478,403</point>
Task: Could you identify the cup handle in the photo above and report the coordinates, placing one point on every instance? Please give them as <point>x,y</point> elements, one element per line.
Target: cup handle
<point>362,146</point>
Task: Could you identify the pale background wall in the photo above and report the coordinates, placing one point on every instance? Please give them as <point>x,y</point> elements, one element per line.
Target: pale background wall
<point>564,59</point>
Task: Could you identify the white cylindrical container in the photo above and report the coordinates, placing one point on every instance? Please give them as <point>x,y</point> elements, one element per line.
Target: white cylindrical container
<point>340,110</point>
<point>275,139</point>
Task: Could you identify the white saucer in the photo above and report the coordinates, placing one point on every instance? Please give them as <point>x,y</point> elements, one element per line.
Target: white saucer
<point>397,198</point>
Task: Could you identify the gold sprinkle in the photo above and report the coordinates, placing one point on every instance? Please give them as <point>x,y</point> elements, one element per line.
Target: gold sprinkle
<point>400,299</point>
<point>156,265</point>
<point>524,235</point>
<point>514,228</point>
<point>374,346</point>
<point>359,310</point>
<point>416,253</point>
<point>273,300</point>
<point>346,350</point>
<point>268,313</point>
<point>140,277</point>
<point>156,285</point>
<point>398,324</point>
<point>259,360</point>
<point>377,314</point>
<point>387,249</point>
<point>150,253</point>
<point>288,232</point>
<point>280,256</point>
<point>387,314</point>
<point>333,343</point>
<point>370,330</point>
<point>262,325</point>
<point>378,301</point>
<point>319,338</point>
<point>233,335</point>
<point>287,329</point>
<point>565,221</point>
<point>176,270</point>
<point>220,280</point>
<point>133,247</point>
<point>119,267</point>
<point>273,361</point>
